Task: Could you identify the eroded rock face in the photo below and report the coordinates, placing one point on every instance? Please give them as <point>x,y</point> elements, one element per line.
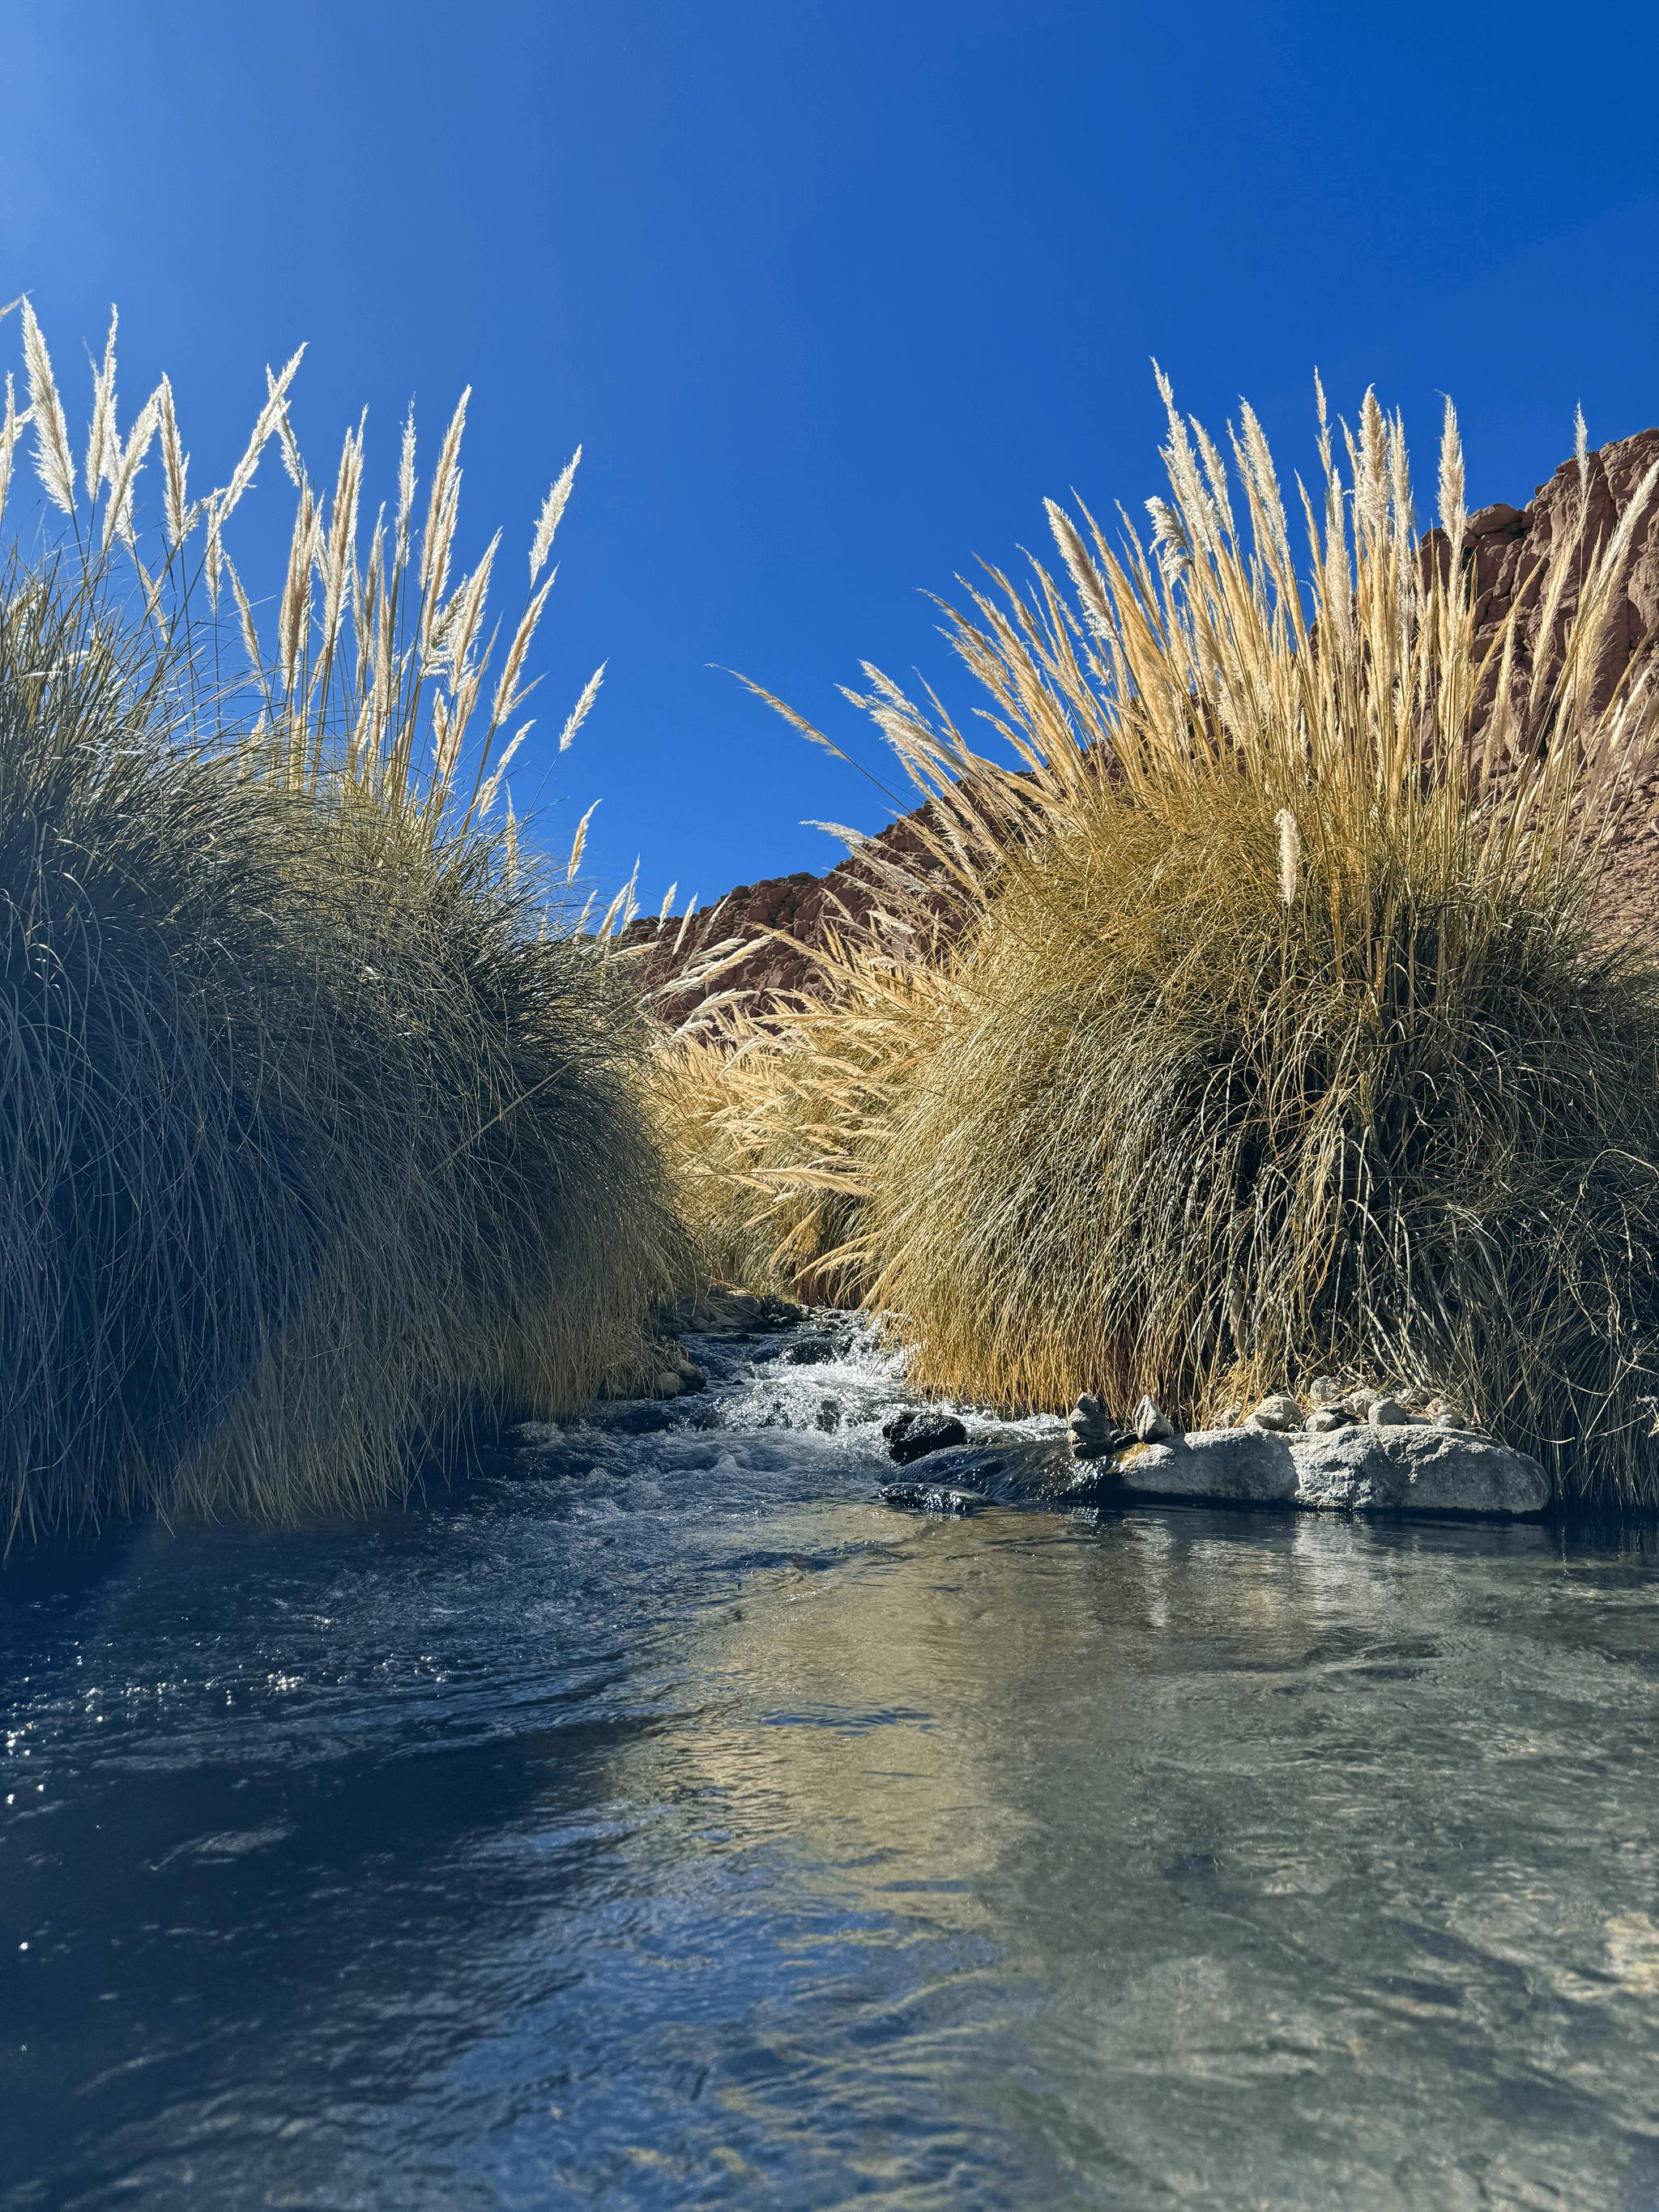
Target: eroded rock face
<point>1416,1469</point>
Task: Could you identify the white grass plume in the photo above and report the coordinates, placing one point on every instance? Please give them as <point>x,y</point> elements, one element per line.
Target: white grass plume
<point>576,845</point>
<point>118,512</point>
<point>553,507</point>
<point>10,426</point>
<point>101,434</point>
<point>579,713</point>
<point>1453,514</point>
<point>175,466</point>
<point>53,465</point>
<point>1290,854</point>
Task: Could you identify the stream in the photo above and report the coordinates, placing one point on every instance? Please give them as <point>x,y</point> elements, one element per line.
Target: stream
<point>655,1818</point>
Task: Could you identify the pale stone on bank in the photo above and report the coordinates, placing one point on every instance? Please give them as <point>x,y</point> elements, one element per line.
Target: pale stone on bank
<point>1413,1467</point>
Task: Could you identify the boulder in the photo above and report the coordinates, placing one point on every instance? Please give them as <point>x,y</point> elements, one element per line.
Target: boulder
<point>918,1430</point>
<point>1401,1467</point>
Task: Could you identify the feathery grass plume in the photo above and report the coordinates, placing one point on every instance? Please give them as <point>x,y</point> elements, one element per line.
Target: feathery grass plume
<point>576,844</point>
<point>100,432</point>
<point>53,465</point>
<point>1146,1123</point>
<point>685,923</point>
<point>1453,514</point>
<point>552,509</point>
<point>579,713</point>
<point>1290,854</point>
<point>406,491</point>
<point>330,1136</point>
<point>1581,454</point>
<point>9,426</point>
<point>181,516</point>
<point>122,469</point>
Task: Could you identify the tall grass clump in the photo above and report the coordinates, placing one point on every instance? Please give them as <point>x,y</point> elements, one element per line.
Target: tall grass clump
<point>319,1126</point>
<point>1282,1036</point>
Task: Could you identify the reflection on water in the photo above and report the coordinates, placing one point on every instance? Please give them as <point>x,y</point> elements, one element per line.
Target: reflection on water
<point>659,1821</point>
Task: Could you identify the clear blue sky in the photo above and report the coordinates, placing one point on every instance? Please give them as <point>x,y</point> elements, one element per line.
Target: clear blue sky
<point>831,295</point>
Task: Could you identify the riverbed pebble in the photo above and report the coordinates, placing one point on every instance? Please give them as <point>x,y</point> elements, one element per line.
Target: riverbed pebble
<point>1386,1413</point>
<point>1324,1418</point>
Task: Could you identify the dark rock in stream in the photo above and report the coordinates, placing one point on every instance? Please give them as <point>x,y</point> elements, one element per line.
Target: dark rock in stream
<point>808,1351</point>
<point>913,1433</point>
<point>930,1497</point>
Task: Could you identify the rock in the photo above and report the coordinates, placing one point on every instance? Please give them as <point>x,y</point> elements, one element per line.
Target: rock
<point>1280,1411</point>
<point>691,1377</point>
<point>1448,1417</point>
<point>809,1351</point>
<point>1090,1433</point>
<point>667,1384</point>
<point>1325,1419</point>
<point>1358,1403</point>
<point>972,1467</point>
<point>1324,1390</point>
<point>1087,1418</point>
<point>1386,1413</point>
<point>929,1497</point>
<point>1151,1424</point>
<point>1410,1468</point>
<point>1248,1466</point>
<point>1093,1486</point>
<point>918,1430</point>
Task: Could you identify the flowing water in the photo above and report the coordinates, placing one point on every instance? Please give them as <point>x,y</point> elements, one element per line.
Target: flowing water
<point>657,1818</point>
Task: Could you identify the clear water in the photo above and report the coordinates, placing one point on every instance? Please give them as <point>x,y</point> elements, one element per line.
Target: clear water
<point>658,1820</point>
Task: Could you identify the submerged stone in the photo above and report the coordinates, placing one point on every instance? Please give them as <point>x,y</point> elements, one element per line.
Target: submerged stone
<point>929,1497</point>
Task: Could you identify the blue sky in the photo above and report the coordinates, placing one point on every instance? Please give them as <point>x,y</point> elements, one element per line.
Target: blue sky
<point>832,295</point>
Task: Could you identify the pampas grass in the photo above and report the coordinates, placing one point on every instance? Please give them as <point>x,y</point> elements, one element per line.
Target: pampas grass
<point>1279,1037</point>
<point>324,1130</point>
